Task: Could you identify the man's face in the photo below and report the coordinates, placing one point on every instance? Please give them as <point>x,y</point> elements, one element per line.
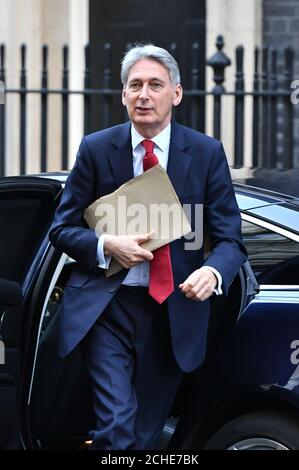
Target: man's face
<point>149,96</point>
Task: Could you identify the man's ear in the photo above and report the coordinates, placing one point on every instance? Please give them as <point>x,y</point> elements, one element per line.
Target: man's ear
<point>178,95</point>
<point>123,96</point>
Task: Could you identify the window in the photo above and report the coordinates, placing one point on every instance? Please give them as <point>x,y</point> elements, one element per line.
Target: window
<point>24,218</point>
<point>273,257</point>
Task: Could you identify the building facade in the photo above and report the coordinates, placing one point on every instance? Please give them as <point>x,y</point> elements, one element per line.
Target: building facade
<point>75,22</point>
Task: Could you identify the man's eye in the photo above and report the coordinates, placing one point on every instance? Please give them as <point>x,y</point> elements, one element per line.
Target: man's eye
<point>134,86</point>
<point>156,85</point>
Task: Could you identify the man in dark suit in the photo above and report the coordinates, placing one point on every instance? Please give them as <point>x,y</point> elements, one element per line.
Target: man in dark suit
<point>138,335</point>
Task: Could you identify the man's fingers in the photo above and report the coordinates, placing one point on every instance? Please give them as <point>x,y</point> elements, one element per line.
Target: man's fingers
<point>185,287</point>
<point>188,284</point>
<point>144,237</point>
<point>199,278</point>
<point>199,285</point>
<point>145,254</point>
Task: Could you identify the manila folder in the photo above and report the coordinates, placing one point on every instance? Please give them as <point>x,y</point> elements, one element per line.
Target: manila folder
<point>146,203</point>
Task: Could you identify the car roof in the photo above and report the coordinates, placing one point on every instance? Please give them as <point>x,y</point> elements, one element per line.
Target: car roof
<point>256,193</point>
<point>269,194</point>
<point>280,183</point>
<point>54,175</point>
<point>260,186</point>
<point>251,197</point>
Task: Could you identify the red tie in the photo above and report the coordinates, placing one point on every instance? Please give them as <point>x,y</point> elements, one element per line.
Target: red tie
<point>161,278</point>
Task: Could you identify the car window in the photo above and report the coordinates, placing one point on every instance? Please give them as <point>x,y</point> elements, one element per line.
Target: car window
<point>24,217</point>
<point>286,215</point>
<point>273,257</point>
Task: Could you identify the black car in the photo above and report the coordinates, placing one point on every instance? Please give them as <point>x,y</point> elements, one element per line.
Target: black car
<point>244,396</point>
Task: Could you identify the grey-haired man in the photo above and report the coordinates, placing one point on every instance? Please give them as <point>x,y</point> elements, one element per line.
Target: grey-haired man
<point>136,346</point>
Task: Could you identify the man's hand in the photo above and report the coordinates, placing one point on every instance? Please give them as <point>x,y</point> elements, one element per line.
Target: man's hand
<point>126,250</point>
<point>199,285</point>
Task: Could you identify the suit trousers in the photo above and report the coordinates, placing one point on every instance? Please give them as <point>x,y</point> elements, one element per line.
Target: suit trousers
<point>134,375</point>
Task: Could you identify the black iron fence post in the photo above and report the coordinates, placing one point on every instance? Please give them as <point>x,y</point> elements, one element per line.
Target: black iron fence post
<point>195,103</point>
<point>173,49</point>
<point>2,113</point>
<point>23,84</point>
<point>176,111</point>
<point>272,128</point>
<point>65,108</point>
<point>288,122</point>
<point>265,110</point>
<point>239,109</point>
<point>218,62</point>
<point>125,113</point>
<point>267,151</point>
<point>107,84</point>
<point>87,85</point>
<point>255,112</point>
<point>44,110</point>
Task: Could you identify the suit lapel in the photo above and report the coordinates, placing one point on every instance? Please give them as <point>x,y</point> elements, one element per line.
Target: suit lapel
<point>178,160</point>
<point>121,157</point>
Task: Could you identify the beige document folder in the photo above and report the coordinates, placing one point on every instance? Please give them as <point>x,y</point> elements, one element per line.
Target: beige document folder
<point>143,204</point>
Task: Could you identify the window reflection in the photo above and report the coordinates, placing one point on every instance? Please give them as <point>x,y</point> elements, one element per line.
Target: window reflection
<point>273,257</point>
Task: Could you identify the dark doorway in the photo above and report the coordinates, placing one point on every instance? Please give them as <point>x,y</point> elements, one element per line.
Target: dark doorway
<point>173,24</point>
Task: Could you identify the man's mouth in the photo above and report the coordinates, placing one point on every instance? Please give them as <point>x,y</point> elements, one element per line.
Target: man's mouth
<point>143,109</point>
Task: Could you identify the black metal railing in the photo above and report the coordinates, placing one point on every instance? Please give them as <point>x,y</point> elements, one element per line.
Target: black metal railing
<point>270,95</point>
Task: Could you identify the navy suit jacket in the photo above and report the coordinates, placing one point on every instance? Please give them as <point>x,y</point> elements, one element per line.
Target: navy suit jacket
<point>198,170</point>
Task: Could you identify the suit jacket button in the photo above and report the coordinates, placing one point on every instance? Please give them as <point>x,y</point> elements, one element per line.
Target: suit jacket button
<point>111,290</point>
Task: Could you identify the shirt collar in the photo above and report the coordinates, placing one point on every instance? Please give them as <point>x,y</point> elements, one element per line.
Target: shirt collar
<point>161,140</point>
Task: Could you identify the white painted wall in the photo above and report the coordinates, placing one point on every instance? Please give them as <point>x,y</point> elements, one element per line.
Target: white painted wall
<point>58,22</point>
<point>240,22</point>
<point>38,22</point>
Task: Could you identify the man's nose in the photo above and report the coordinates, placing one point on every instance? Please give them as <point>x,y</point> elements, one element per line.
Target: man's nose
<point>144,92</point>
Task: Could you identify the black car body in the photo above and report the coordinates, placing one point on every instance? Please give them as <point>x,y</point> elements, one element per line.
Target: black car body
<point>245,395</point>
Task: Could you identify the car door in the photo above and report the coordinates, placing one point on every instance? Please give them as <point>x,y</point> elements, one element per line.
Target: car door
<point>27,206</point>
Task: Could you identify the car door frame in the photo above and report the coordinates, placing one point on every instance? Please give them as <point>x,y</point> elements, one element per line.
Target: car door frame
<point>13,371</point>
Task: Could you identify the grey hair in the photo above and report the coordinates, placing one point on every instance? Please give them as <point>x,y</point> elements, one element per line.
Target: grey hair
<point>149,51</point>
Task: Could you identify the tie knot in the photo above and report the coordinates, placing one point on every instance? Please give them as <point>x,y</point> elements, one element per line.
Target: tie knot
<point>148,145</point>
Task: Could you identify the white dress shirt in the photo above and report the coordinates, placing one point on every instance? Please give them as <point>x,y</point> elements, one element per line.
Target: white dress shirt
<point>139,275</point>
